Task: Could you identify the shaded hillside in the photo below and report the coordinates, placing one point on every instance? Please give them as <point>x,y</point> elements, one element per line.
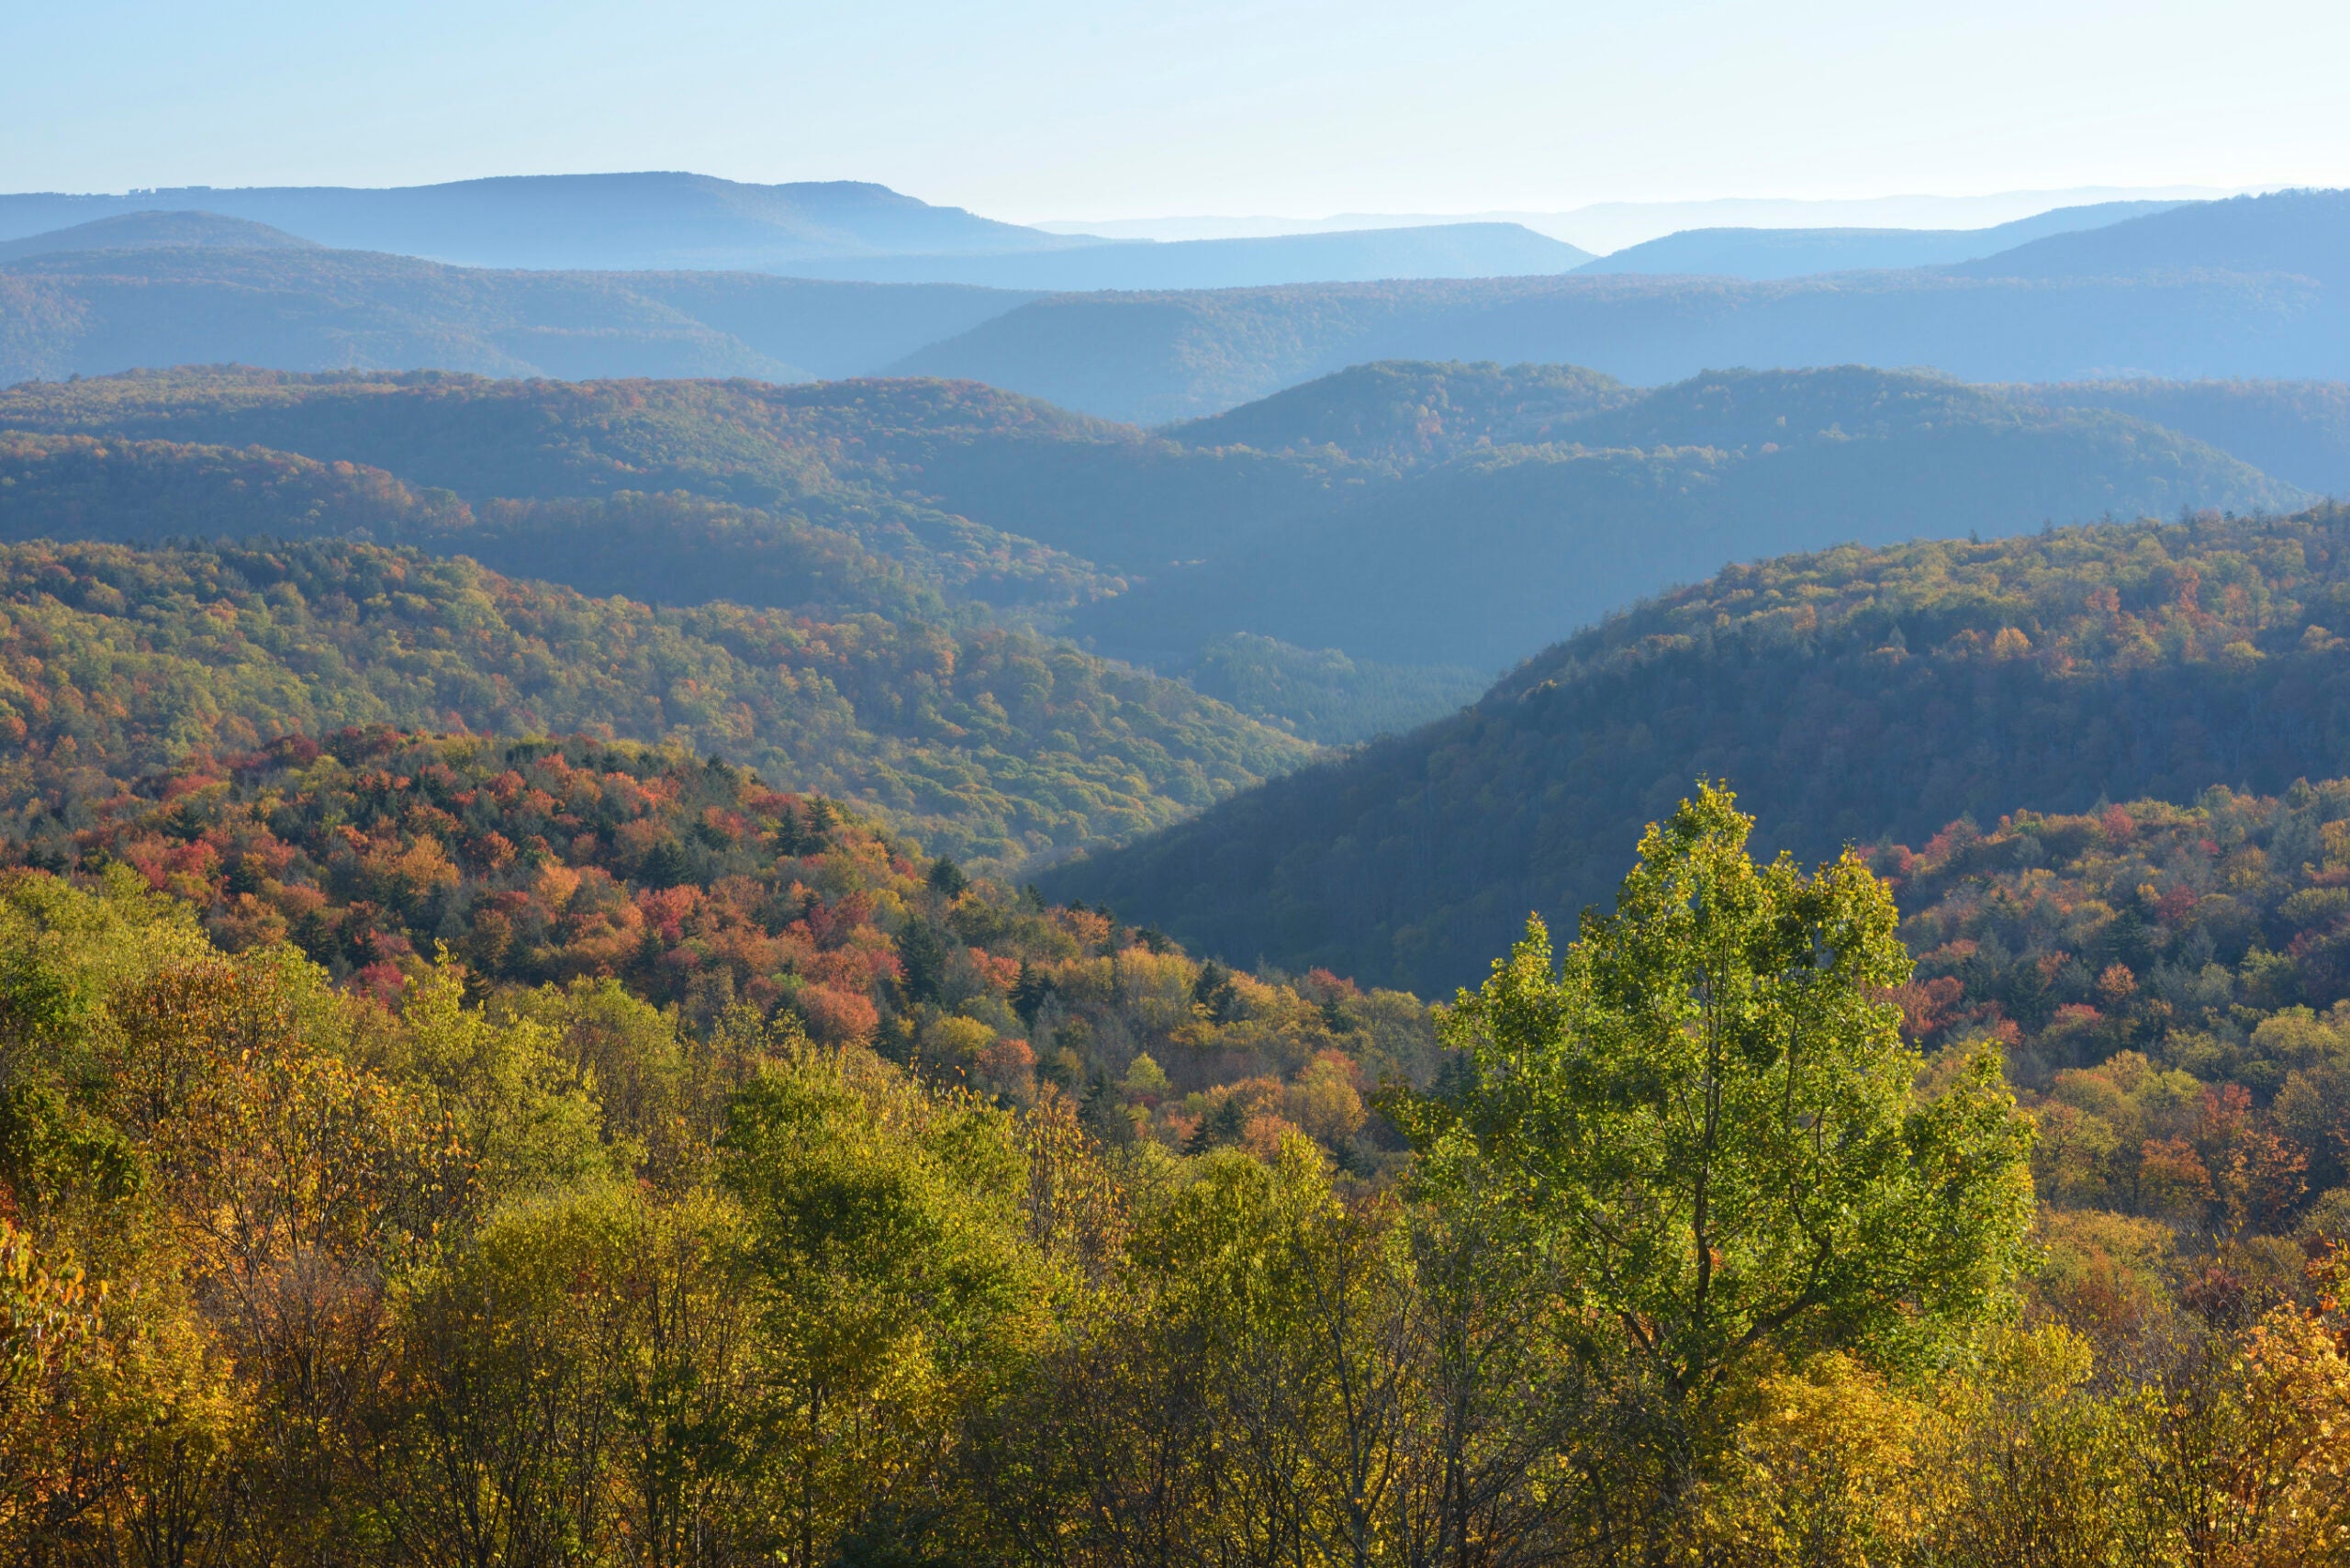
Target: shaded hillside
<point>96,312</point>
<point>669,546</point>
<point>2295,431</point>
<point>1479,560</point>
<point>600,221</point>
<point>669,549</point>
<point>1850,696</point>
<point>1174,356</point>
<point>1407,413</point>
<point>1797,253</point>
<point>987,742</point>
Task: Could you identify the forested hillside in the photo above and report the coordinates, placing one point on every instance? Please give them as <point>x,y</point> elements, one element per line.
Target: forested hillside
<point>988,742</point>
<point>1407,414</point>
<point>949,467</point>
<point>2298,431</point>
<point>1853,695</point>
<point>1479,560</point>
<point>1394,513</point>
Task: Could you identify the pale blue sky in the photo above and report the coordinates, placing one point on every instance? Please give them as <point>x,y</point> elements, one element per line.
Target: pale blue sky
<point>1051,108</point>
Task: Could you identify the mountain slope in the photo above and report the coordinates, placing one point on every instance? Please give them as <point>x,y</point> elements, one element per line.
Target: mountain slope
<point>1797,253</point>
<point>602,221</point>
<point>986,742</point>
<point>98,312</point>
<point>1849,696</point>
<point>1477,561</point>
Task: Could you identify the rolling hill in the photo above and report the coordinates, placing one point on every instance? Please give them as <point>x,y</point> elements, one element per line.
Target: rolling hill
<point>1412,529</point>
<point>918,467</point>
<point>1850,696</point>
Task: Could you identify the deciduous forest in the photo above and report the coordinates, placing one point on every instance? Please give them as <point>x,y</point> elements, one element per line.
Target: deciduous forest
<point>729,1183</point>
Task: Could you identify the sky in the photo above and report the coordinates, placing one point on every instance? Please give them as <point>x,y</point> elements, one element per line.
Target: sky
<point>1045,110</point>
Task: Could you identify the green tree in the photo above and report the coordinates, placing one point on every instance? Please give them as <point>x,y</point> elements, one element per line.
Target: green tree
<point>897,1288</point>
<point>1707,1114</point>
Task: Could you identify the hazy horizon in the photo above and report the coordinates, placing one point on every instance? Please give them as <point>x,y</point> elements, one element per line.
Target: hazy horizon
<point>1053,111</point>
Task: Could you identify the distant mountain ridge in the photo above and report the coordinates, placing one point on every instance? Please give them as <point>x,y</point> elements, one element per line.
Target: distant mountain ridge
<point>2253,287</point>
<point>2297,233</point>
<point>844,231</point>
<point>1765,254</point>
<point>631,221</point>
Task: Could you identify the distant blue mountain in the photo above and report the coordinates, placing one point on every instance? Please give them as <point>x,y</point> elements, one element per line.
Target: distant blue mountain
<point>1769,253</point>
<point>1441,250</point>
<point>155,232</point>
<point>2301,233</point>
<point>578,221</point>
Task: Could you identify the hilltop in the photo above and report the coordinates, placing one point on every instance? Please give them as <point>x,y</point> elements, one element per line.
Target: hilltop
<point>1407,413</point>
<point>1853,695</point>
<point>155,231</point>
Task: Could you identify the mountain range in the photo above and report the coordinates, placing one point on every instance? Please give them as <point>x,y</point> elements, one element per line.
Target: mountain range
<point>2243,288</point>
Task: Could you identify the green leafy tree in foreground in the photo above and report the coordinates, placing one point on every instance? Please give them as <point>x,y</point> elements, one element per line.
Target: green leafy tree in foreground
<point>1704,1117</point>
